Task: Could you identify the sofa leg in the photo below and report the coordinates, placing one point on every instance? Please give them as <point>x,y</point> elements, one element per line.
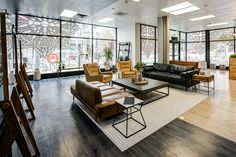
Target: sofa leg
<point>186,88</point>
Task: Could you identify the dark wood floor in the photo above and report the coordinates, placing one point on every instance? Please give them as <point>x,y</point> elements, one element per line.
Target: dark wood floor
<point>61,129</point>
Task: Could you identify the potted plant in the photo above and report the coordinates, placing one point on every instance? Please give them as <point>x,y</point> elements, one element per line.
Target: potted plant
<point>139,67</point>
<point>108,57</point>
<point>60,65</point>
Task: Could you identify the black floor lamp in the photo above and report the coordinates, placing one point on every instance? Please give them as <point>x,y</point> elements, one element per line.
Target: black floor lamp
<point>82,54</point>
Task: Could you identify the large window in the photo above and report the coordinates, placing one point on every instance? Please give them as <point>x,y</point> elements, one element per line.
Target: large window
<point>221,46</point>
<point>46,42</point>
<point>74,51</point>
<point>37,52</point>
<point>104,37</point>
<point>38,25</point>
<point>72,29</point>
<point>98,49</point>
<point>196,48</point>
<point>40,42</point>
<point>214,46</point>
<point>149,47</point>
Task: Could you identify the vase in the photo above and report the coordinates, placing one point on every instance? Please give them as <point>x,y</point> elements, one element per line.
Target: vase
<point>140,77</point>
<point>37,74</point>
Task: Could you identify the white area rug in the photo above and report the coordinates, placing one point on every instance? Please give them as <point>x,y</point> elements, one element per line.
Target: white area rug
<point>156,114</point>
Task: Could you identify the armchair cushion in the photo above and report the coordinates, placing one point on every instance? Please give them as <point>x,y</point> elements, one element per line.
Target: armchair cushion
<point>93,69</point>
<point>129,72</point>
<point>124,65</point>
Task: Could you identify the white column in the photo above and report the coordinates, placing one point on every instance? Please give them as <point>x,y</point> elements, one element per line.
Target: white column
<point>163,39</point>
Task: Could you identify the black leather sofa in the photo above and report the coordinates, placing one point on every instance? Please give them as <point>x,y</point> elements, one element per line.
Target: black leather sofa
<point>174,74</point>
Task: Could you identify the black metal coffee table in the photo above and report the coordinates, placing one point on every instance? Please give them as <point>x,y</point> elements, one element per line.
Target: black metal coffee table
<point>140,90</point>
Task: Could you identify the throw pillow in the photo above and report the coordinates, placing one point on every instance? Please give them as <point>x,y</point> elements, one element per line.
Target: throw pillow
<point>161,67</point>
<point>177,69</point>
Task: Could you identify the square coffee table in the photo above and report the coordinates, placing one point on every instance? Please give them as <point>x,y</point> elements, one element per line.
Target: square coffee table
<point>130,109</point>
<point>152,86</point>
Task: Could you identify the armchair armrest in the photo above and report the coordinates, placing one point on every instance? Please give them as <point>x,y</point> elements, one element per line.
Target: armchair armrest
<point>106,109</point>
<point>188,76</point>
<point>134,70</point>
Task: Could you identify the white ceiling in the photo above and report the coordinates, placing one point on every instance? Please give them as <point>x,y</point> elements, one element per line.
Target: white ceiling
<point>53,8</point>
<point>147,11</point>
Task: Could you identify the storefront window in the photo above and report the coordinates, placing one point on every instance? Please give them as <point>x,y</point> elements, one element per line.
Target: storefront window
<point>74,52</point>
<point>196,48</point>
<point>98,51</point>
<point>41,39</point>
<point>149,44</point>
<point>72,29</point>
<point>221,46</point>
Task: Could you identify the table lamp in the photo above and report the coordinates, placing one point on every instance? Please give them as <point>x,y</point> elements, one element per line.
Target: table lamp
<point>202,65</point>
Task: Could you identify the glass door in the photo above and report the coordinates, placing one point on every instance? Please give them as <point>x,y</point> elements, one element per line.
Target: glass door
<point>174,51</point>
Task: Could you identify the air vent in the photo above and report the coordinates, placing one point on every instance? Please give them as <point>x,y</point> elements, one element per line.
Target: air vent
<point>119,13</point>
<point>82,16</point>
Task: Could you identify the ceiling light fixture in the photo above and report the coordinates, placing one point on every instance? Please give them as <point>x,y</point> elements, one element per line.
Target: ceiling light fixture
<point>105,20</point>
<point>217,24</point>
<point>136,0</point>
<point>202,18</point>
<point>177,7</point>
<point>68,13</point>
<point>181,8</point>
<point>185,10</point>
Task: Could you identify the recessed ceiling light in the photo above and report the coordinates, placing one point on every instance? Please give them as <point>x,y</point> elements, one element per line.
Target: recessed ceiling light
<point>106,19</point>
<point>177,7</point>
<point>217,24</point>
<point>137,0</point>
<point>185,10</point>
<point>181,8</point>
<point>68,13</point>
<point>202,18</point>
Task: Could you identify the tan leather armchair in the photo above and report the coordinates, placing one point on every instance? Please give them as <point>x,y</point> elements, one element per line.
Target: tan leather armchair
<point>93,73</point>
<point>126,70</point>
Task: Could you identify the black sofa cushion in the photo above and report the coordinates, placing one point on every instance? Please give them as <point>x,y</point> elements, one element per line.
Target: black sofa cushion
<point>177,69</point>
<point>165,76</point>
<point>148,68</point>
<point>162,67</point>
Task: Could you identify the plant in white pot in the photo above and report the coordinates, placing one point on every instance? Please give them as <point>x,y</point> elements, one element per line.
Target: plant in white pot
<point>108,58</point>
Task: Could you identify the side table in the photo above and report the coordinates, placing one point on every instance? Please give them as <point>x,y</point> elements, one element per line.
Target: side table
<point>207,78</point>
<point>129,110</point>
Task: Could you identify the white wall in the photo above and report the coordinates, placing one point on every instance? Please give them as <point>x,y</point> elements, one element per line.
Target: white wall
<point>126,33</point>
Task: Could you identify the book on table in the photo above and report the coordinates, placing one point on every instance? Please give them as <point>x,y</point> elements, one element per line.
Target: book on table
<point>129,100</point>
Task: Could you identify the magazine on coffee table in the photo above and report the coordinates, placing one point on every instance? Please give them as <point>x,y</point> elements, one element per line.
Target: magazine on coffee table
<point>129,100</point>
